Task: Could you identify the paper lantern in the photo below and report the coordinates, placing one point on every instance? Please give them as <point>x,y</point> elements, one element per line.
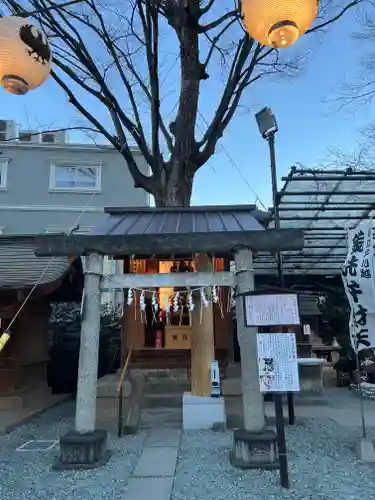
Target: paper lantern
<point>25,55</point>
<point>278,23</point>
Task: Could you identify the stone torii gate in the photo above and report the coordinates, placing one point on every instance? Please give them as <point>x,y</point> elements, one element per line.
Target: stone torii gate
<point>224,231</point>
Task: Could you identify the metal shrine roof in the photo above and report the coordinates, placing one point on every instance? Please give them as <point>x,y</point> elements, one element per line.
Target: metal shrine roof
<point>147,231</point>
<point>324,204</point>
<point>191,220</point>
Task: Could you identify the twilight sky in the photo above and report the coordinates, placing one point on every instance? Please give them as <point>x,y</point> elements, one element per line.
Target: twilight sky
<point>311,123</point>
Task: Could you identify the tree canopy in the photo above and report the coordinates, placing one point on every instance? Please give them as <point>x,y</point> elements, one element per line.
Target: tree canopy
<point>139,71</point>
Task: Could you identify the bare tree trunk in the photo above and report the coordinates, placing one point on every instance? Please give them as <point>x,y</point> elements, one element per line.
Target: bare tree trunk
<point>176,190</point>
<point>174,185</point>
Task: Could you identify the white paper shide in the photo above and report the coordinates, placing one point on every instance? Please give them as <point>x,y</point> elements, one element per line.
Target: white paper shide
<point>359,282</point>
<point>277,362</point>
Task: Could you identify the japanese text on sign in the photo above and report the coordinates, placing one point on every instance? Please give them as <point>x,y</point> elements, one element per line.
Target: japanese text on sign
<point>277,362</point>
<point>267,310</point>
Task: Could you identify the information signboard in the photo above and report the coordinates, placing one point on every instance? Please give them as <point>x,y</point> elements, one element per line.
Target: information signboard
<point>271,309</point>
<point>277,362</point>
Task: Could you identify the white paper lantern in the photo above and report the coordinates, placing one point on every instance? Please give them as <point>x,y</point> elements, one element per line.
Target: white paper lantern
<point>25,55</point>
<point>278,23</point>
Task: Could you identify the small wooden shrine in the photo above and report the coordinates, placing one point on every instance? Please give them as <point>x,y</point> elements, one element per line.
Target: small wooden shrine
<point>160,327</point>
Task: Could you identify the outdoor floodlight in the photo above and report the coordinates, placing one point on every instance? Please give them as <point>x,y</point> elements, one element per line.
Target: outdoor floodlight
<point>266,121</point>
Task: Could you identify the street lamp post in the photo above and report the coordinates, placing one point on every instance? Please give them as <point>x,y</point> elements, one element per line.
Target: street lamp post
<point>268,128</point>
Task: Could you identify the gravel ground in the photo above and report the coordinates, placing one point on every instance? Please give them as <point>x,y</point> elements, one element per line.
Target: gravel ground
<point>321,456</point>
<point>322,466</point>
<point>28,475</point>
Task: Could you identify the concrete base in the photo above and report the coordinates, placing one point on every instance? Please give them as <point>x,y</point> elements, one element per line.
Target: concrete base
<point>366,451</point>
<point>83,451</point>
<point>199,412</point>
<point>254,450</point>
<point>311,375</point>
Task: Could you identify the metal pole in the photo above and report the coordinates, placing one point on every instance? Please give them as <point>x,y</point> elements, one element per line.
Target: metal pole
<point>281,443</point>
<point>359,389</point>
<point>280,268</point>
<point>278,398</point>
<point>120,412</point>
<point>271,143</point>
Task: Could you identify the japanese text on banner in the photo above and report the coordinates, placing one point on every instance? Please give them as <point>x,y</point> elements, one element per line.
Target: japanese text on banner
<point>359,282</point>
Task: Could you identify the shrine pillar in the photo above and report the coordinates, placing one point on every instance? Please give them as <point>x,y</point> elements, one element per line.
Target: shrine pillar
<point>86,447</point>
<point>254,446</point>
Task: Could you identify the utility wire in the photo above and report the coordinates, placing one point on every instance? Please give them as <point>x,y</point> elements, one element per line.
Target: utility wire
<point>233,163</point>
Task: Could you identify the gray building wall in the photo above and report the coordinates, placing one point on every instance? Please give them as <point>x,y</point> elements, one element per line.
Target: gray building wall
<point>28,204</point>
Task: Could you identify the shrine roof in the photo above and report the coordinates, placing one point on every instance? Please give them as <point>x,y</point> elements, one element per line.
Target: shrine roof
<point>20,268</point>
<point>145,231</point>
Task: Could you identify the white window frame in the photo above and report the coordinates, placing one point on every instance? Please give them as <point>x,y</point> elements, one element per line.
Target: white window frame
<point>4,173</point>
<point>52,181</point>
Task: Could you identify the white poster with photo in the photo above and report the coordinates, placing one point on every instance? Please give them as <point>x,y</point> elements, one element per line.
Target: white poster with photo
<point>277,362</point>
<point>359,282</point>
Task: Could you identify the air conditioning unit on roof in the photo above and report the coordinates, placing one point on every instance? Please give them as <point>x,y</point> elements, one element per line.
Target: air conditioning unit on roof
<point>7,130</point>
<point>54,137</point>
<point>28,136</point>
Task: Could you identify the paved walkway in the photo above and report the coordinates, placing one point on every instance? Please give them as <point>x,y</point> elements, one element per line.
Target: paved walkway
<point>154,473</point>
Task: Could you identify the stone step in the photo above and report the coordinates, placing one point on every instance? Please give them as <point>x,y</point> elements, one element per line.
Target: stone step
<point>166,388</point>
<point>233,371</point>
<point>161,418</point>
<point>161,400</point>
<point>25,397</point>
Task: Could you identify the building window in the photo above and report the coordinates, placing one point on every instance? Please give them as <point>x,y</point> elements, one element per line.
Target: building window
<point>3,173</point>
<point>76,178</point>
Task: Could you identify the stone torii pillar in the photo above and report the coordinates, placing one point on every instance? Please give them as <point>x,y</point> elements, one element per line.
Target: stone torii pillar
<point>253,446</point>
<point>86,447</point>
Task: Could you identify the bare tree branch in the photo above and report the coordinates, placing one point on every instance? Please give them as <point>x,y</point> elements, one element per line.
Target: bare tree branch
<point>205,10</point>
<point>117,142</point>
<point>218,22</point>
<point>335,18</point>
<point>118,55</point>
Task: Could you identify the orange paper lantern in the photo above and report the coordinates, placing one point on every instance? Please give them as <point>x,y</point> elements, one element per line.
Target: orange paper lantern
<point>25,55</point>
<point>278,23</point>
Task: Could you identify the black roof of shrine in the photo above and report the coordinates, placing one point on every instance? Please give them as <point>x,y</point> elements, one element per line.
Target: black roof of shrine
<point>146,231</point>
